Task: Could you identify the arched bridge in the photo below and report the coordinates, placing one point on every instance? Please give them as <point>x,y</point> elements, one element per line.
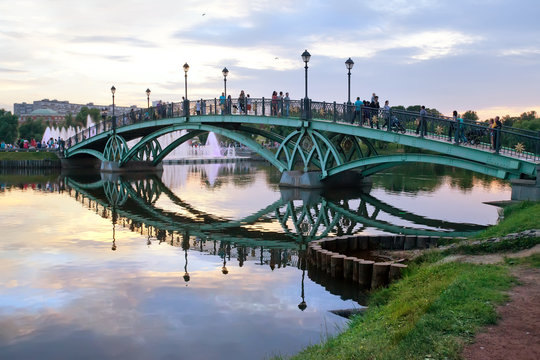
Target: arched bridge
<point>327,137</point>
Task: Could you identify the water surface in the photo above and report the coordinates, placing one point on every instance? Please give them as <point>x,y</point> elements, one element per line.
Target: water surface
<point>205,262</point>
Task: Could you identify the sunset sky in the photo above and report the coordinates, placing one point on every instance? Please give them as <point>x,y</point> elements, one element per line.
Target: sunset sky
<point>482,55</point>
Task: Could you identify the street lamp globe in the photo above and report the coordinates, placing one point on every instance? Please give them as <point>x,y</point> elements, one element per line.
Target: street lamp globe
<point>225,72</point>
<point>186,67</point>
<point>148,92</point>
<point>306,56</point>
<point>113,89</point>
<point>349,64</point>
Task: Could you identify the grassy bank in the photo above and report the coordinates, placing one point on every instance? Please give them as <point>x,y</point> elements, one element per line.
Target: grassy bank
<point>24,155</point>
<point>437,307</point>
<point>517,217</point>
<point>428,314</point>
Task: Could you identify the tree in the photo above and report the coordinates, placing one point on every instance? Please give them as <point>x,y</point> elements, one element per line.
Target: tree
<point>80,119</point>
<point>32,129</point>
<point>69,120</point>
<point>470,115</point>
<point>8,126</point>
<point>414,108</point>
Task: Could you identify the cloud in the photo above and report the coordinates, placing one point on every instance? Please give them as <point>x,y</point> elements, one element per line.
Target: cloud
<point>520,52</point>
<point>5,70</point>
<point>126,40</point>
<point>426,45</point>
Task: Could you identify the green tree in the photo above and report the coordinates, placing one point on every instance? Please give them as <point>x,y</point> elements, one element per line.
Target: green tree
<point>32,129</point>
<point>9,124</point>
<point>414,108</point>
<point>470,115</point>
<point>95,114</point>
<point>80,118</point>
<point>69,120</point>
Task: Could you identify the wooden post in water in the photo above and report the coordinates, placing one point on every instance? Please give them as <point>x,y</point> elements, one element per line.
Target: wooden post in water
<point>380,274</point>
<point>365,270</point>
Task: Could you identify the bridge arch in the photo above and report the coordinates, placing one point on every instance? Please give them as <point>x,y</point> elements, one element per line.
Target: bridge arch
<point>380,163</point>
<point>231,134</point>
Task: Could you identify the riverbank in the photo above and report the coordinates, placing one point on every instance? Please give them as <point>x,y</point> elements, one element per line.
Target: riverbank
<point>438,306</point>
<point>29,160</point>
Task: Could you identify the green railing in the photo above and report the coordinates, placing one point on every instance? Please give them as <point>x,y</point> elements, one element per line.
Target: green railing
<point>509,141</point>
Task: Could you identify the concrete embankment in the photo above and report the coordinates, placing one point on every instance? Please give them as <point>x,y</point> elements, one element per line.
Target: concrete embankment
<point>30,164</point>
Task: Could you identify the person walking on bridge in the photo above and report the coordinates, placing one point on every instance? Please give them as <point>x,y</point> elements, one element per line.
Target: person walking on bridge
<point>422,126</point>
<point>497,134</point>
<point>386,114</point>
<point>287,101</point>
<point>374,116</point>
<point>222,102</point>
<point>357,111</point>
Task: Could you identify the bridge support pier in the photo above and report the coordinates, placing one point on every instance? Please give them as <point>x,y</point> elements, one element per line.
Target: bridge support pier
<point>130,166</point>
<point>80,163</point>
<point>312,180</point>
<point>527,189</point>
<point>300,179</point>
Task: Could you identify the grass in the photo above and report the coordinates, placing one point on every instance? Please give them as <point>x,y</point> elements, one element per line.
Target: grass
<point>519,217</point>
<point>516,218</point>
<point>24,155</point>
<point>437,307</point>
<point>430,313</point>
<point>508,245</point>
<point>531,261</point>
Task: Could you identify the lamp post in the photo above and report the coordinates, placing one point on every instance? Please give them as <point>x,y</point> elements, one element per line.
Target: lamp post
<point>113,90</point>
<point>186,101</point>
<point>148,98</point>
<point>225,73</point>
<point>305,57</point>
<point>349,64</point>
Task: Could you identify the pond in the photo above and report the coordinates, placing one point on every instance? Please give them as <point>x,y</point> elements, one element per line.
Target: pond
<point>203,262</point>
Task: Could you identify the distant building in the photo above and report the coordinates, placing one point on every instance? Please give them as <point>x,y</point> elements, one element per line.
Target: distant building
<point>62,108</point>
<point>44,114</point>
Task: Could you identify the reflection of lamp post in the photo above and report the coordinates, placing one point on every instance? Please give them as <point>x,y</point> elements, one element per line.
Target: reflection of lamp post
<point>114,218</point>
<point>186,274</point>
<point>148,98</point>
<point>185,246</point>
<point>305,57</point>
<point>302,306</point>
<point>113,90</point>
<point>186,101</point>
<point>224,268</point>
<point>225,73</point>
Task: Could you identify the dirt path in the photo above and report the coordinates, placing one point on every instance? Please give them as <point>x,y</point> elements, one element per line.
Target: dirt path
<point>517,334</point>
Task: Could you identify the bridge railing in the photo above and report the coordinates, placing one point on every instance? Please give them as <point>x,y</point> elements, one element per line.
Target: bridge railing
<point>509,141</point>
<point>506,140</point>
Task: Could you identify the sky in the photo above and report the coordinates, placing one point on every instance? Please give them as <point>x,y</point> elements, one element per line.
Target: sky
<point>481,55</point>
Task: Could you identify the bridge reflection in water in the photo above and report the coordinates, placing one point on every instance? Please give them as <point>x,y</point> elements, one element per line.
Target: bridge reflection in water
<point>296,218</point>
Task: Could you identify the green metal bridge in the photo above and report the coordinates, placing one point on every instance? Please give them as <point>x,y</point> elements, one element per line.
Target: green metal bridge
<point>314,136</point>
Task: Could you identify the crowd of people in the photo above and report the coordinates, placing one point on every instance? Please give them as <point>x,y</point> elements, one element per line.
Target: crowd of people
<point>370,113</point>
<point>33,144</point>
